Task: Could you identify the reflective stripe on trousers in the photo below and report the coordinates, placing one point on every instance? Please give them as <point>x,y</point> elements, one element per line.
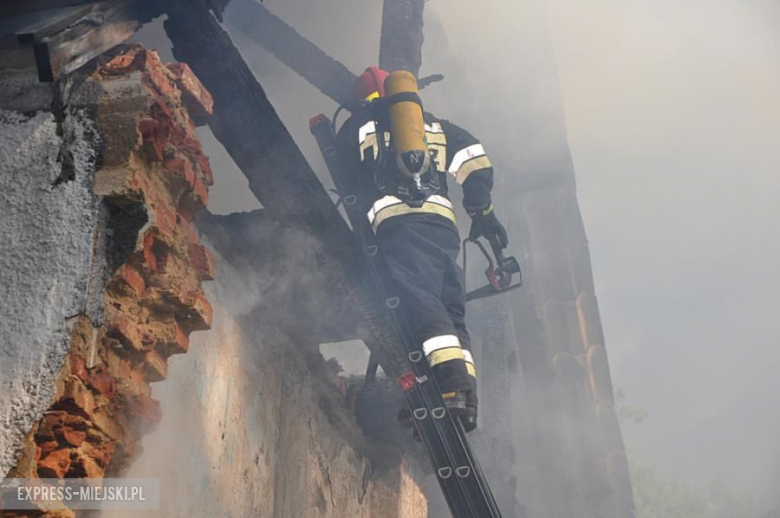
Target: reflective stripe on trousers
<point>390,206</point>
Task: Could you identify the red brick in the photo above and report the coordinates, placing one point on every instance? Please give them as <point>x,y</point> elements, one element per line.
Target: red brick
<point>191,308</point>
<point>201,314</point>
<point>102,454</point>
<point>45,448</point>
<point>155,366</point>
<point>55,465</point>
<point>201,259</point>
<point>127,281</point>
<point>164,221</point>
<point>154,253</point>
<point>75,393</point>
<point>158,76</point>
<point>127,379</point>
<point>186,212</point>
<point>197,99</point>
<point>50,422</point>
<point>102,382</point>
<point>185,141</point>
<point>132,59</point>
<point>197,198</point>
<point>171,338</point>
<point>155,136</point>
<point>189,232</point>
<point>147,252</point>
<point>78,367</point>
<point>181,341</point>
<point>180,170</point>
<point>74,437</point>
<point>126,330</point>
<point>204,166</point>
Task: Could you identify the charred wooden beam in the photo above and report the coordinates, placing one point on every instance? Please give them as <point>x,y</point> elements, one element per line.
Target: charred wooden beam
<point>400,46</point>
<point>15,7</point>
<point>48,23</point>
<point>13,55</point>
<point>64,40</point>
<point>245,122</point>
<point>259,25</point>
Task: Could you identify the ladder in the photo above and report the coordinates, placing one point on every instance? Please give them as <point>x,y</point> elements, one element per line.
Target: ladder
<point>457,469</point>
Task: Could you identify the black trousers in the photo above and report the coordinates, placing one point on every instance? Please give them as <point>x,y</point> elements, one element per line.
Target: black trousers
<point>420,252</point>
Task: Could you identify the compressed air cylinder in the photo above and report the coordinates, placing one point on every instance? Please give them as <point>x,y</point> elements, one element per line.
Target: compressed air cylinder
<point>407,126</point>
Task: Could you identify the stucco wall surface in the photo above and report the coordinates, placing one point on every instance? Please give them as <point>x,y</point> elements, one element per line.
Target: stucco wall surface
<point>249,429</point>
<point>46,240</point>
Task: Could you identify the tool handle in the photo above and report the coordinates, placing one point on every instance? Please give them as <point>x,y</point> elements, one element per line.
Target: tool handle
<point>498,252</point>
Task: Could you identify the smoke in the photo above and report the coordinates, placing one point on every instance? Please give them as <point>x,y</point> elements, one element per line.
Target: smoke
<point>673,117</point>
<point>672,113</point>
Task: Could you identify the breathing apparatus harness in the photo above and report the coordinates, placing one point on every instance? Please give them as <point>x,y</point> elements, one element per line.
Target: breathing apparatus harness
<point>504,273</point>
<point>412,176</point>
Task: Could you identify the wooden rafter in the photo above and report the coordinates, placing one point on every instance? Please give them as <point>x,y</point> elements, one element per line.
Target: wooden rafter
<point>246,123</point>
<point>259,25</point>
<point>16,7</point>
<point>400,46</point>
<point>63,40</point>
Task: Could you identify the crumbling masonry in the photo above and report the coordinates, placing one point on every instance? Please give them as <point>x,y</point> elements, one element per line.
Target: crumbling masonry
<point>103,191</point>
<point>152,176</point>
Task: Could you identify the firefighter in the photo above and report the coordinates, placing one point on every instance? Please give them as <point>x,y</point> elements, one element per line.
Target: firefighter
<point>415,229</point>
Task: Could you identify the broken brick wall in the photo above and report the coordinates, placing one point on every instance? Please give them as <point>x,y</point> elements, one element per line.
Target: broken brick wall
<point>103,273</point>
<point>103,267</point>
<point>254,423</point>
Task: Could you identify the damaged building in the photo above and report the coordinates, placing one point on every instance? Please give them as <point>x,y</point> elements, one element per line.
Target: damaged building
<point>143,335</point>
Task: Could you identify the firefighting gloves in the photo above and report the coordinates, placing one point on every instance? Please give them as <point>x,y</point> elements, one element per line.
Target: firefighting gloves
<point>484,223</point>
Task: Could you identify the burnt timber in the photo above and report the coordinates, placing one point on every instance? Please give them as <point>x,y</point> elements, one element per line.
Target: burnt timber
<point>65,39</point>
<point>328,75</point>
<point>400,46</point>
<point>246,123</point>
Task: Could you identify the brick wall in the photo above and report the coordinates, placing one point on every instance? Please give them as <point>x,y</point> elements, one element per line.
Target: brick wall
<point>248,422</point>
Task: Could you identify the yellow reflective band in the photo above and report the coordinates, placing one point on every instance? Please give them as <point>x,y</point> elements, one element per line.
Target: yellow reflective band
<point>372,96</point>
<point>447,395</point>
<point>403,208</point>
<point>464,155</point>
<point>439,152</point>
<point>469,363</point>
<point>435,138</point>
<point>445,355</point>
<point>475,164</point>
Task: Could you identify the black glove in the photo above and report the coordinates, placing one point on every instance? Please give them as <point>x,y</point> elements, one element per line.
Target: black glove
<point>485,224</point>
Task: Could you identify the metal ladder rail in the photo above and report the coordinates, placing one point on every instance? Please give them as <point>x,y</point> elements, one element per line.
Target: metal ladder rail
<point>447,433</point>
<point>444,438</point>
